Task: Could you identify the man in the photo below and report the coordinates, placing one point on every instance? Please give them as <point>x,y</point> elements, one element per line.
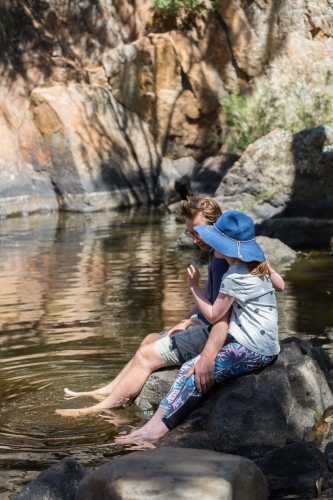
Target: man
<point>178,344</point>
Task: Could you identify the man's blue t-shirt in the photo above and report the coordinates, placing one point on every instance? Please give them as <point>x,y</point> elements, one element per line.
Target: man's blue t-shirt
<point>216,269</point>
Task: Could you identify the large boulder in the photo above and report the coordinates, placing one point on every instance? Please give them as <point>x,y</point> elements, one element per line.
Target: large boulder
<point>276,251</point>
<point>171,473</point>
<point>281,404</point>
<point>97,154</point>
<point>293,470</point>
<point>282,178</point>
<point>156,388</point>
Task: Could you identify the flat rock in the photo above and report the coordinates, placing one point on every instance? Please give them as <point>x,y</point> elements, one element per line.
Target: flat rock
<point>170,473</point>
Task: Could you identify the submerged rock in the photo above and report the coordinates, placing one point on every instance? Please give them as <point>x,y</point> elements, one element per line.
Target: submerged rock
<point>170,473</point>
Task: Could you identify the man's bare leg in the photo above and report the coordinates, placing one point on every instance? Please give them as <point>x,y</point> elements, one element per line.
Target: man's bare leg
<point>107,389</point>
<point>146,360</point>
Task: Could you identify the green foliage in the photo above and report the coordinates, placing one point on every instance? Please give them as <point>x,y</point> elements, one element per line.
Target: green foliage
<point>173,7</point>
<point>180,15</point>
<point>250,118</point>
<point>257,200</point>
<point>247,119</point>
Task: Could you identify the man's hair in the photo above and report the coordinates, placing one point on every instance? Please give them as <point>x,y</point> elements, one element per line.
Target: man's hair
<point>194,205</point>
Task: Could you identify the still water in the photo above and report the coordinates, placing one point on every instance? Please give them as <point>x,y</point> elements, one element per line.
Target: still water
<point>77,295</point>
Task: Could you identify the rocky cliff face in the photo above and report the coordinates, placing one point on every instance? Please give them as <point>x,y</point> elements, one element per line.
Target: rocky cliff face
<point>102,106</point>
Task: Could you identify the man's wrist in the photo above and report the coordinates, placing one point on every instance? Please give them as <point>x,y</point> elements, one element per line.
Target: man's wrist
<point>208,356</point>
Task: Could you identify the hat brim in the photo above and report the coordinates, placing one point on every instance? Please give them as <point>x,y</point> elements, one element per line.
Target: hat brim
<point>246,251</point>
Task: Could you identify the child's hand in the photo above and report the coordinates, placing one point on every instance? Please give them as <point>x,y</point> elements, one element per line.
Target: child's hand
<point>193,276</point>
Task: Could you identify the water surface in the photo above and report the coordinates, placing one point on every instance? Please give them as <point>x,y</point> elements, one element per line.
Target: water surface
<point>77,295</point>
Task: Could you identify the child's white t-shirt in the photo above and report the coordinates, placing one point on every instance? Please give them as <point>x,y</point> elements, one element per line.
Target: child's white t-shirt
<point>254,315</point>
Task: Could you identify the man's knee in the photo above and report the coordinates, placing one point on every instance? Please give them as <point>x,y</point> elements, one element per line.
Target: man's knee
<point>152,337</point>
<point>148,356</point>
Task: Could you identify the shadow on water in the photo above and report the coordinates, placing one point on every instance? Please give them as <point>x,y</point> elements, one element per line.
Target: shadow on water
<point>78,292</point>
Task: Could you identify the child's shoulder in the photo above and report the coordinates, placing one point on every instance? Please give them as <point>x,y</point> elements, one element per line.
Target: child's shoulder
<point>239,268</point>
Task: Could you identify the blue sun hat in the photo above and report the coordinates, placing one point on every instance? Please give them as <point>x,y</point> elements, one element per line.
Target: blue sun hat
<point>233,235</point>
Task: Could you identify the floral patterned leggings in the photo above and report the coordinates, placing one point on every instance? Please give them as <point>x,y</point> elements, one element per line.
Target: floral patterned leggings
<point>232,360</point>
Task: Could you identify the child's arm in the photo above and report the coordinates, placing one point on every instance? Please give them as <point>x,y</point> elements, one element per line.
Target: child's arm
<point>212,312</point>
<point>276,279</point>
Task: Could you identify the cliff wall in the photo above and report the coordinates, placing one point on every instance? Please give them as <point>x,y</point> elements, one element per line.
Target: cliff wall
<point>103,104</point>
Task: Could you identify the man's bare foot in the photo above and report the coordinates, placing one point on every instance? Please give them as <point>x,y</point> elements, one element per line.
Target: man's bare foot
<point>104,405</point>
<point>97,394</point>
<point>76,412</point>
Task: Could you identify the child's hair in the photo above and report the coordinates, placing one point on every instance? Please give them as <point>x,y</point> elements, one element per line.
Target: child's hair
<point>258,268</point>
<point>194,205</point>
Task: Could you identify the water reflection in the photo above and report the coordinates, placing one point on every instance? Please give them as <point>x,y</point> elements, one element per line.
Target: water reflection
<point>77,295</point>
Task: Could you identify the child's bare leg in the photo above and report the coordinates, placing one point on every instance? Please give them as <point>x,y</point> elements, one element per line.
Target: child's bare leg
<point>107,389</point>
<point>151,431</point>
<point>148,426</point>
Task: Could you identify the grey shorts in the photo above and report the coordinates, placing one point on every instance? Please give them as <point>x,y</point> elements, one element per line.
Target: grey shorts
<point>182,346</point>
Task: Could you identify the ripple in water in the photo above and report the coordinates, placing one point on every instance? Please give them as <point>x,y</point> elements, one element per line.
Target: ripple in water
<point>78,293</point>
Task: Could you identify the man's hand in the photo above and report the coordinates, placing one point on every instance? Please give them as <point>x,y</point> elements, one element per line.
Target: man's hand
<point>193,276</point>
<point>180,327</point>
<point>203,372</point>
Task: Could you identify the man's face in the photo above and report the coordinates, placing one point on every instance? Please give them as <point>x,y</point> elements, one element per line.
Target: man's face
<point>198,220</point>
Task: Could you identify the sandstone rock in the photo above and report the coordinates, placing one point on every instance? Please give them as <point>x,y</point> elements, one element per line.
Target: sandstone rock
<point>102,155</point>
<point>170,87</point>
<point>252,414</point>
<point>25,184</point>
<point>59,482</point>
<point>276,252</point>
<point>300,71</point>
<point>174,473</point>
<point>146,77</point>
<point>250,51</point>
<point>283,175</point>
<point>265,171</point>
<point>216,50</point>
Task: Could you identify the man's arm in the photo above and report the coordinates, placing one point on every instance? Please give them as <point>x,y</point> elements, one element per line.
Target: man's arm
<point>204,369</point>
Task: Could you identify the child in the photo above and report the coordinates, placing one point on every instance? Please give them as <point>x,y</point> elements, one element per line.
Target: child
<point>252,339</point>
